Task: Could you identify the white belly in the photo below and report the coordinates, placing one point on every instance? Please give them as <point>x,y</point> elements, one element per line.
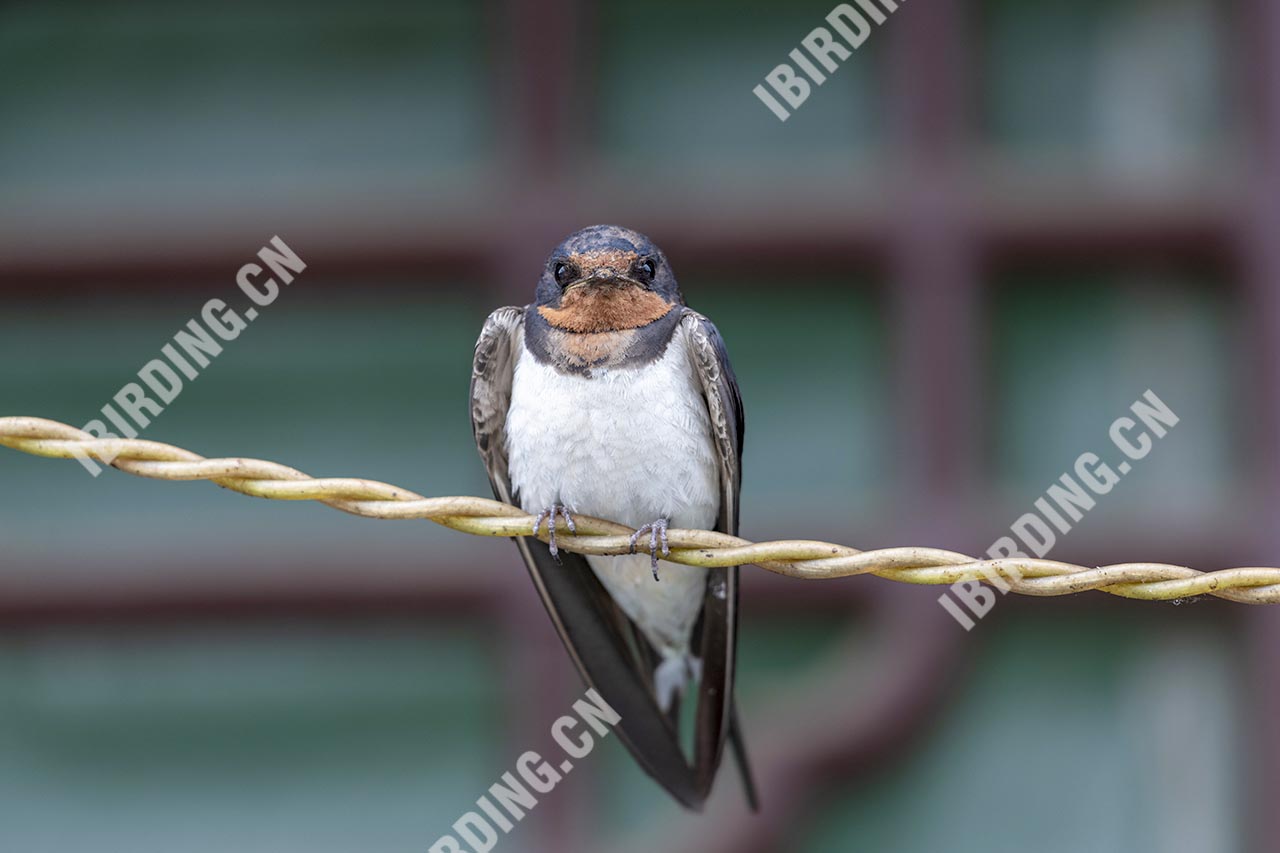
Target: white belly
<point>630,445</point>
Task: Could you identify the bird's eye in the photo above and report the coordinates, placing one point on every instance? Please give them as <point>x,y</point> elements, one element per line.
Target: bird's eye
<point>564,273</point>
<point>647,269</point>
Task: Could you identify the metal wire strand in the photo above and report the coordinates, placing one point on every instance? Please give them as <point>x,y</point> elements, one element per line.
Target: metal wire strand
<point>483,517</point>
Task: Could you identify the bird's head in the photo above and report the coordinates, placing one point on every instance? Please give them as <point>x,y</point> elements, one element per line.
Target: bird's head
<point>606,279</point>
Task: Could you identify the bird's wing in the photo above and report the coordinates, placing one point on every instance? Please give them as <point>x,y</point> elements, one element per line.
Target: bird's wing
<point>718,627</point>
<point>491,374</point>
<point>592,627</point>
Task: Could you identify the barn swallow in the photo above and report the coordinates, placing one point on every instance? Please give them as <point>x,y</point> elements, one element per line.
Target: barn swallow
<point>608,397</point>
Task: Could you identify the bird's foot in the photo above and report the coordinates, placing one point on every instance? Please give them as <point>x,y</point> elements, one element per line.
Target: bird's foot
<point>549,516</point>
<point>657,531</point>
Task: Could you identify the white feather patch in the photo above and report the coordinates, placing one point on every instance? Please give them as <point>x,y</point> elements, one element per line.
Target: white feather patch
<point>631,445</point>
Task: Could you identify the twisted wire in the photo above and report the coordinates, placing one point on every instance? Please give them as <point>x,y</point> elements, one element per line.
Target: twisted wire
<point>806,559</point>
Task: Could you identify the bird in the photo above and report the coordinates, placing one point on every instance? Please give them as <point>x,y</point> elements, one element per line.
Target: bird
<point>608,397</point>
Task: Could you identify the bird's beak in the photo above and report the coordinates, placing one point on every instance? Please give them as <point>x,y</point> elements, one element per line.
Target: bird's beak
<point>604,277</point>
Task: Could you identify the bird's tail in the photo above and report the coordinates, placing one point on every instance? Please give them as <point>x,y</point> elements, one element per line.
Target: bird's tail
<point>739,745</point>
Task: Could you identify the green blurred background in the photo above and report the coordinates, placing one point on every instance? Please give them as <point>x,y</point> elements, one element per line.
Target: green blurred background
<point>988,233</point>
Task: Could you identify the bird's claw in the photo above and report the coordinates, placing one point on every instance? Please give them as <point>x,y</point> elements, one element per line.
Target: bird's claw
<point>657,531</point>
<point>549,516</point>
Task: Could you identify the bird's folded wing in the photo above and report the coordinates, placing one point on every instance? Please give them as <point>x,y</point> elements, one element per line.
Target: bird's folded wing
<point>718,627</point>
